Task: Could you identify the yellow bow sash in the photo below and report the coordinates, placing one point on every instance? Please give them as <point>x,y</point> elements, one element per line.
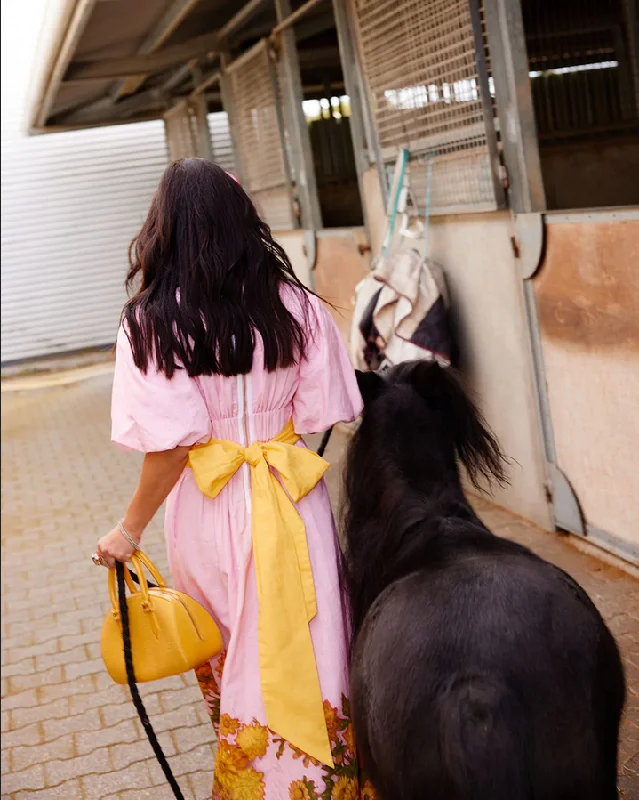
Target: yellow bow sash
<point>285,586</point>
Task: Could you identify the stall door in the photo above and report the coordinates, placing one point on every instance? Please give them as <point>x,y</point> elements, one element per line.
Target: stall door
<point>587,296</point>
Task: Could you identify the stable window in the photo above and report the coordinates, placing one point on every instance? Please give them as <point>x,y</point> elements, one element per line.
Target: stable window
<point>583,58</point>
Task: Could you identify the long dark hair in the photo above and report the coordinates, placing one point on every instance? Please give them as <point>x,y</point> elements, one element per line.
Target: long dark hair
<point>211,276</point>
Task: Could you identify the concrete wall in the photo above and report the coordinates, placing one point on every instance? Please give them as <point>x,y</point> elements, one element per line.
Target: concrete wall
<point>293,244</point>
<point>342,262</point>
<point>486,293</point>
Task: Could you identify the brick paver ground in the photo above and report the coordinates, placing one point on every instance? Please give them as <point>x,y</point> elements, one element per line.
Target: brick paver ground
<point>67,731</point>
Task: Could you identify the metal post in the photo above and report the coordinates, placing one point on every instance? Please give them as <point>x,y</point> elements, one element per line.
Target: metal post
<point>353,89</point>
<point>509,59</point>
<point>300,143</point>
<point>282,126</point>
<point>374,147</point>
<point>199,105</point>
<point>486,102</point>
<point>227,104</point>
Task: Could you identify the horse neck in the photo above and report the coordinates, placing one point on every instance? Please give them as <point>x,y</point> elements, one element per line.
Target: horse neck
<point>392,529</point>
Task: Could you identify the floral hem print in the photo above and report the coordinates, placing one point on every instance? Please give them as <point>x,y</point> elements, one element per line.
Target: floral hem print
<point>244,745</point>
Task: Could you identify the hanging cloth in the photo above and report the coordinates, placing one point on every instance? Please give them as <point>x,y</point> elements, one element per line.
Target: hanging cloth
<point>401,308</point>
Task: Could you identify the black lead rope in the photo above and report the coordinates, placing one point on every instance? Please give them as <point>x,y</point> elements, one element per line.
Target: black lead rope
<point>324,442</point>
<point>135,694</point>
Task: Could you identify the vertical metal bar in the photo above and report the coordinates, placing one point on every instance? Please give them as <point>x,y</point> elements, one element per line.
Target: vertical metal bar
<point>509,59</point>
<point>368,118</point>
<point>486,101</point>
<point>301,153</point>
<point>539,371</point>
<point>168,139</point>
<point>204,146</point>
<point>272,67</point>
<point>226,90</point>
<point>353,89</point>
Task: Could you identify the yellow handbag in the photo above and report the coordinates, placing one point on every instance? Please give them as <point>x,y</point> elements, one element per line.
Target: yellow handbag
<point>169,632</point>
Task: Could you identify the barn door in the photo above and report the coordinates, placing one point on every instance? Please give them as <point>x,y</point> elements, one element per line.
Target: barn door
<point>587,324</point>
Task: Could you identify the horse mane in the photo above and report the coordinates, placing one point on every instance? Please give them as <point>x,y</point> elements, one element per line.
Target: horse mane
<point>402,482</point>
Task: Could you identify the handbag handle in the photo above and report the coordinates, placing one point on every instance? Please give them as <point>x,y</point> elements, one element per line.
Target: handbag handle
<point>138,560</point>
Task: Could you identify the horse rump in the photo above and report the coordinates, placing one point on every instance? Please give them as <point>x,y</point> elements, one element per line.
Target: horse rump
<point>444,708</point>
<point>479,671</point>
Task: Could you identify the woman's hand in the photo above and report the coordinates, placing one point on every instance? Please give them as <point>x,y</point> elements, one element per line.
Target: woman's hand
<point>114,547</point>
<point>160,472</point>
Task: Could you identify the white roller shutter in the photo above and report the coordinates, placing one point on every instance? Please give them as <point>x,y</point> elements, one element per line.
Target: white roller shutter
<point>71,203</point>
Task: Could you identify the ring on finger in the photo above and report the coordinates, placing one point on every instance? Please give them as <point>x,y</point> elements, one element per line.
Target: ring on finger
<point>98,560</point>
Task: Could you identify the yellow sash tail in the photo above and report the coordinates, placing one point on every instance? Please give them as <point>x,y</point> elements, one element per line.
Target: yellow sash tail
<point>285,586</point>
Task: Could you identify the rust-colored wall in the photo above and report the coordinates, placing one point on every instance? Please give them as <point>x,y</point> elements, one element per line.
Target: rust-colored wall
<point>340,266</point>
<point>588,300</point>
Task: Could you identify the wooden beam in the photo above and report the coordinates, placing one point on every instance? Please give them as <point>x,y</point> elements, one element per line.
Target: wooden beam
<point>176,78</point>
<point>292,18</point>
<point>106,110</point>
<point>171,19</point>
<point>131,71</point>
<point>112,68</point>
<point>104,104</point>
<point>246,13</point>
<point>61,128</point>
<point>78,23</point>
<point>205,83</point>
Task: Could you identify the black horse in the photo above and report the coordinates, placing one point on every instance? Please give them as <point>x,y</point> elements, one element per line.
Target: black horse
<point>479,671</point>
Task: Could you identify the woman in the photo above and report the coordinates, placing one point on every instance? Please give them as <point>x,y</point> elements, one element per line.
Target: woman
<point>223,361</point>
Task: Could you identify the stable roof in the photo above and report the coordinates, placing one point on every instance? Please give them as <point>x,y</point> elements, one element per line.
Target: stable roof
<point>117,61</point>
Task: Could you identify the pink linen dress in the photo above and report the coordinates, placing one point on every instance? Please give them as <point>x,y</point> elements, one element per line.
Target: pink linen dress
<point>209,545</point>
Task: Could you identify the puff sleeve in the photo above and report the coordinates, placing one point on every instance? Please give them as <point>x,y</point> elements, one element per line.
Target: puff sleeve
<point>150,413</point>
<point>327,392</point>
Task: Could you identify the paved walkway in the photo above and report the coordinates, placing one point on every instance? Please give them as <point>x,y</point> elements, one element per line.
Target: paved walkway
<point>67,731</point>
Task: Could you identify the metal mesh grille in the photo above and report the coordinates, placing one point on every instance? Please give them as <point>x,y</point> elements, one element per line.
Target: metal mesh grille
<point>179,127</point>
<point>255,117</point>
<point>419,60</point>
<point>255,96</point>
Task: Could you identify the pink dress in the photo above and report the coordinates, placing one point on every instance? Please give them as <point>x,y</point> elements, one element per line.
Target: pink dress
<point>210,549</point>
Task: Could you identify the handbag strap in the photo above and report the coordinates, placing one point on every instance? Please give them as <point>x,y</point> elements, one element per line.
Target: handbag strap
<point>135,694</point>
